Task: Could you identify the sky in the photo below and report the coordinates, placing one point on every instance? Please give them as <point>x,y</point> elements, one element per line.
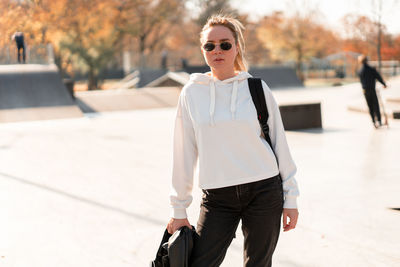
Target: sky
<point>332,10</point>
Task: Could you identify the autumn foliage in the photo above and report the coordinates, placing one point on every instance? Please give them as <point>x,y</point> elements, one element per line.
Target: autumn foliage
<point>90,34</point>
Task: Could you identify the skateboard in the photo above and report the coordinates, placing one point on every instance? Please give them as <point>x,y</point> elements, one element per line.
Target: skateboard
<point>382,106</point>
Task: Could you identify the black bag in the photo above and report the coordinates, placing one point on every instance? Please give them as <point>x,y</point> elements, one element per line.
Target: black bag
<point>175,250</point>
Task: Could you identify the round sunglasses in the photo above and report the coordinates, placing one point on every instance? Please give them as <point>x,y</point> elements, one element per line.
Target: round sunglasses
<point>211,46</point>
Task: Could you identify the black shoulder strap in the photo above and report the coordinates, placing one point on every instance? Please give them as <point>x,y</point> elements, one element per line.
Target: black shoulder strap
<point>257,94</point>
<point>162,253</point>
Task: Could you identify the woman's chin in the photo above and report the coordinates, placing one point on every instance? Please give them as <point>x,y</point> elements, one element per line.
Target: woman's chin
<point>220,64</point>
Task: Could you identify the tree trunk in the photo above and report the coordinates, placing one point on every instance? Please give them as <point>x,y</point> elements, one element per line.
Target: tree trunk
<point>299,62</point>
<point>378,47</point>
<point>142,47</point>
<point>92,79</point>
<point>58,60</point>
<point>379,43</point>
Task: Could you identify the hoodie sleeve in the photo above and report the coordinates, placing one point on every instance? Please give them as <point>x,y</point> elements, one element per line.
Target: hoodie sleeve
<point>379,77</point>
<point>184,160</point>
<point>287,168</point>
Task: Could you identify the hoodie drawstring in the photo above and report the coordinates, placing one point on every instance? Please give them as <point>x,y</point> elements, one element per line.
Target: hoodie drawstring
<point>212,103</point>
<point>233,99</point>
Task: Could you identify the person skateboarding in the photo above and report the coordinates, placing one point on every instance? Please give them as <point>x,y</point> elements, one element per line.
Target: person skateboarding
<point>368,76</point>
<point>20,42</point>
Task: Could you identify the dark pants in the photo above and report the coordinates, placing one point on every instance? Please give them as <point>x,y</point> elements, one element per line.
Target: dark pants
<point>373,105</point>
<point>259,205</point>
<point>19,48</point>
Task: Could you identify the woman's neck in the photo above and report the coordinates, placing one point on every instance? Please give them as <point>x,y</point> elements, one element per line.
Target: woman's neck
<point>223,74</point>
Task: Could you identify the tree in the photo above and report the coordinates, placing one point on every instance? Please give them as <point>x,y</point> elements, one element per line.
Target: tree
<point>149,23</point>
<point>360,34</point>
<point>256,52</point>
<point>367,37</point>
<point>296,38</point>
<point>212,7</point>
<point>88,33</point>
<point>92,37</point>
<point>390,47</point>
<point>84,29</point>
<point>184,40</point>
<point>46,18</point>
<point>379,35</point>
<point>377,11</point>
<point>12,19</point>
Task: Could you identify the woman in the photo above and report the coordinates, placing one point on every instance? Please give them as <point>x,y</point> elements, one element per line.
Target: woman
<point>216,125</point>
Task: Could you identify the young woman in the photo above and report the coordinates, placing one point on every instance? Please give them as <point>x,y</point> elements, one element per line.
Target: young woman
<point>217,126</point>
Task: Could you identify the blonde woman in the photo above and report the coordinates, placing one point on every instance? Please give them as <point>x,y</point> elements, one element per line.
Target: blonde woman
<point>217,126</point>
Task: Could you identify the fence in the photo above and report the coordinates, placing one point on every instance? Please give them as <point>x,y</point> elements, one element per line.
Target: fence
<point>388,67</point>
<point>36,54</point>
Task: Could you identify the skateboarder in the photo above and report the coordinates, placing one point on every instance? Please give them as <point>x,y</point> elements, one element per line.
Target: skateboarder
<point>19,40</point>
<point>368,76</point>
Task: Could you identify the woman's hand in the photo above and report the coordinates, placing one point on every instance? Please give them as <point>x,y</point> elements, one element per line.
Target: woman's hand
<point>293,214</point>
<point>175,224</point>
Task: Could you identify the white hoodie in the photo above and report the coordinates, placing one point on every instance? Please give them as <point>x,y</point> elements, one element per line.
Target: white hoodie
<point>216,125</point>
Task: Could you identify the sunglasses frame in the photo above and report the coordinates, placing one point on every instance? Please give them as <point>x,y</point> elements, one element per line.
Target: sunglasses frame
<point>221,45</point>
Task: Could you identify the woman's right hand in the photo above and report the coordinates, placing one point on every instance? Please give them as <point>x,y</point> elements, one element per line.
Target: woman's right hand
<point>175,224</point>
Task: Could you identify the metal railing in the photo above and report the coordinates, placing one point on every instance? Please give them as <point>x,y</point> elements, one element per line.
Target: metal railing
<point>36,54</point>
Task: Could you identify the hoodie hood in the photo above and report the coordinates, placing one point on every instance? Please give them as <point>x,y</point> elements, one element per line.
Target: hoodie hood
<point>206,78</point>
<point>213,82</point>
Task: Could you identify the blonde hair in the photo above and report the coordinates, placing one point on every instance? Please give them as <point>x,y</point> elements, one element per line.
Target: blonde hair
<point>236,27</point>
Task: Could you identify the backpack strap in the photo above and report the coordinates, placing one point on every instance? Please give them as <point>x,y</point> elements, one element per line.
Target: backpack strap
<point>257,94</point>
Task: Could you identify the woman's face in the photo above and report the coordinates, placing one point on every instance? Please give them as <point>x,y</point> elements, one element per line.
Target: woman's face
<point>219,58</point>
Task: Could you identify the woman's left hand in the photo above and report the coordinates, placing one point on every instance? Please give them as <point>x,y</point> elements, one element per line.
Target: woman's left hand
<point>293,214</point>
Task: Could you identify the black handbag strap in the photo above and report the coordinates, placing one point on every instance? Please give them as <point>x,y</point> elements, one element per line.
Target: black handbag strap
<point>257,94</point>
<point>162,252</point>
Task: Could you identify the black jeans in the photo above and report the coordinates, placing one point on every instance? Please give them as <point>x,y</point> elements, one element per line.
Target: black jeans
<point>19,48</point>
<point>259,205</point>
<point>373,105</point>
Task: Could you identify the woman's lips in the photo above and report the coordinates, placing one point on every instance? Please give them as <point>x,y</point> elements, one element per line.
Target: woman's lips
<point>219,59</point>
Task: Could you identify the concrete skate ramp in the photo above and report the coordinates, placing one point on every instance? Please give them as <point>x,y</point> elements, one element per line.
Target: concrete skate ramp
<point>34,92</point>
<point>127,99</point>
<point>275,76</point>
<point>146,76</point>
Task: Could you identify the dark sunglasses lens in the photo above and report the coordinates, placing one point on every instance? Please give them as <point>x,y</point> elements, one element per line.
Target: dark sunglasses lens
<point>225,46</point>
<point>209,46</point>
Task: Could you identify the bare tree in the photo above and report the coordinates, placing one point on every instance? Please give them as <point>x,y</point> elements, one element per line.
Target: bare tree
<point>378,12</point>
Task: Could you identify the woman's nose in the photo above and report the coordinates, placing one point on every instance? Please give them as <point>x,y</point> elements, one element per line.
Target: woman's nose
<point>217,49</point>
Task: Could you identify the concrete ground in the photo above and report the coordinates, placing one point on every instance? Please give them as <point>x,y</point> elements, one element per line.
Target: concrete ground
<point>93,191</point>
<point>390,97</point>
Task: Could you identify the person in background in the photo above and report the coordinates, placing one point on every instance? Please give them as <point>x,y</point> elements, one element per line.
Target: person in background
<point>241,178</point>
<point>20,42</point>
<point>368,76</point>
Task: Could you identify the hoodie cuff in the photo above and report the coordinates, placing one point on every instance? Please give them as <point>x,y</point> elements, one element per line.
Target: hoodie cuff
<point>178,214</point>
<point>290,203</point>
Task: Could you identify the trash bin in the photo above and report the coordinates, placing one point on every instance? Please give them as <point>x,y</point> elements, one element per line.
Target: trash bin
<point>69,83</point>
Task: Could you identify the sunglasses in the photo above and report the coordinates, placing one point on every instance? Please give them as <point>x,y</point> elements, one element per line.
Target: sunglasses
<point>211,46</point>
